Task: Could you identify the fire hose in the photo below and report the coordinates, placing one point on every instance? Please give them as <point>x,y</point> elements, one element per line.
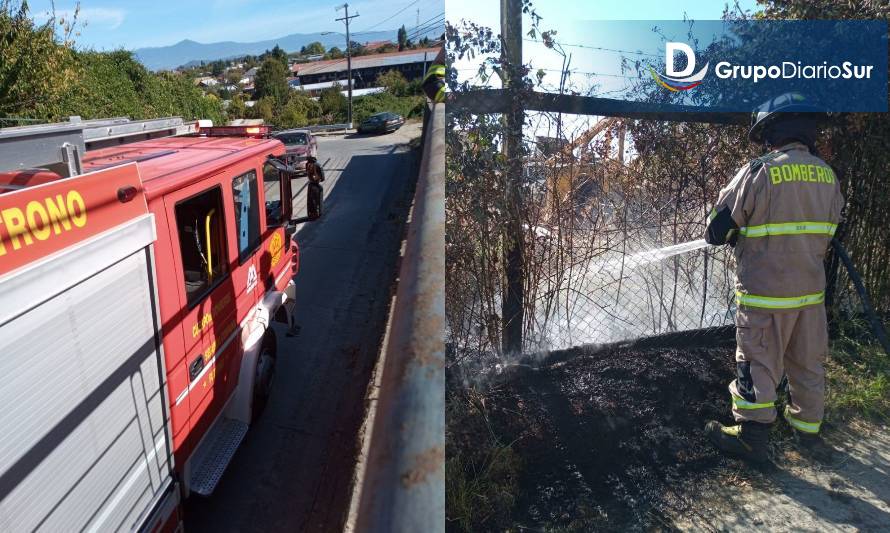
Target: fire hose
<point>876,326</point>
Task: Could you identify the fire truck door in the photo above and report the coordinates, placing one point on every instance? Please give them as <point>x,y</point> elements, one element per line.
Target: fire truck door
<point>205,267</point>
<point>273,260</point>
<point>245,207</point>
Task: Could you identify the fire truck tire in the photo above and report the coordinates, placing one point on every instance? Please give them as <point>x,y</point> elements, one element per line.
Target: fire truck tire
<point>264,376</point>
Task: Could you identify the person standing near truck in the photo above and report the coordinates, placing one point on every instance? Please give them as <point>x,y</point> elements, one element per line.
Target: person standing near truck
<point>779,214</point>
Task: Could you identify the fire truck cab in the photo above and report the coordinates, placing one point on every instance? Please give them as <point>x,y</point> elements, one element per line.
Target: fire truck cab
<point>137,297</point>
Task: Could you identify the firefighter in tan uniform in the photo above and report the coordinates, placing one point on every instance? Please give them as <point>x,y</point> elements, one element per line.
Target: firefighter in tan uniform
<point>779,213</point>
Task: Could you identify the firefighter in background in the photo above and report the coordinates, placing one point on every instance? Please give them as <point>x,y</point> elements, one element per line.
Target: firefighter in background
<point>314,192</point>
<point>313,170</point>
<point>779,213</point>
<point>434,81</point>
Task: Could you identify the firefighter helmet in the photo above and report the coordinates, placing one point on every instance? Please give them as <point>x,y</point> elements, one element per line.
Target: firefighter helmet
<point>785,105</point>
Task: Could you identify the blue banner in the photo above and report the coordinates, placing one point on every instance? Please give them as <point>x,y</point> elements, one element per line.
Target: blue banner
<point>736,65</point>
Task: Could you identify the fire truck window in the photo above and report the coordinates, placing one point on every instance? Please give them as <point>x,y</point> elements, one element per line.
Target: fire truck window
<point>273,184</point>
<point>247,213</point>
<point>202,241</point>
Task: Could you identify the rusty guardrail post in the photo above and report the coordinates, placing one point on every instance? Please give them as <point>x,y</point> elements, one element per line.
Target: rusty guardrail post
<point>403,489</point>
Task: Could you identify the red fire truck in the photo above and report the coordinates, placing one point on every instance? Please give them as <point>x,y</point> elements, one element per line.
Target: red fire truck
<point>138,287</point>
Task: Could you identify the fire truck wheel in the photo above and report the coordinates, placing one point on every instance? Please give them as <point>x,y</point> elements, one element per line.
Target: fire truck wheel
<point>264,376</point>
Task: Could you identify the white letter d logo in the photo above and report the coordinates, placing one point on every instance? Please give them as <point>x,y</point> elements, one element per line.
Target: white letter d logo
<point>669,49</point>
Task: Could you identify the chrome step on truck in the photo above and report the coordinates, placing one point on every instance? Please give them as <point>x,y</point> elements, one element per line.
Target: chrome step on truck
<point>217,450</point>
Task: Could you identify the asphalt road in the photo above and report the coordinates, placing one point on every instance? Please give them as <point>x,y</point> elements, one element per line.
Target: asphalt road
<point>294,470</point>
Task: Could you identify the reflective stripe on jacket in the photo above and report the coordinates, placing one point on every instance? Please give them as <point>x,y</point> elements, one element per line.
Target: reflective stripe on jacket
<point>784,209</point>
<point>434,83</point>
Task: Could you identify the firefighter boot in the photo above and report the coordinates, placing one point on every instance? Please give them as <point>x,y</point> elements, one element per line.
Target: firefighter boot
<point>813,447</point>
<point>747,440</point>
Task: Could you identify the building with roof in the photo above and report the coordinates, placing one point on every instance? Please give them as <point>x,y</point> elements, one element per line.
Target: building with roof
<point>375,45</point>
<point>206,81</point>
<point>365,69</point>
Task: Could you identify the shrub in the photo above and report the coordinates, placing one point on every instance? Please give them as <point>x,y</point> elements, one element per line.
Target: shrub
<point>365,106</point>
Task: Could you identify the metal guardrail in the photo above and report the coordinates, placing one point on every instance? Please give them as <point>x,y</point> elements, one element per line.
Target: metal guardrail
<point>403,489</point>
<point>328,128</point>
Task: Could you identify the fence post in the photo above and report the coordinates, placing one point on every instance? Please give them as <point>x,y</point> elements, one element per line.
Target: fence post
<point>512,304</point>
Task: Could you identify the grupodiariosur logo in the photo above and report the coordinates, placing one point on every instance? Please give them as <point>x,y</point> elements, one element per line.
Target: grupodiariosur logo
<point>683,80</point>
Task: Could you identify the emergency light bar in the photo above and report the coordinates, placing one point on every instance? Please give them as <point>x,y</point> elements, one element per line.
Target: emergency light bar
<point>257,132</point>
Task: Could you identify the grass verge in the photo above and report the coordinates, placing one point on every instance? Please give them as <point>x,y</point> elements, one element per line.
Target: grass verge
<point>857,375</point>
<point>481,472</point>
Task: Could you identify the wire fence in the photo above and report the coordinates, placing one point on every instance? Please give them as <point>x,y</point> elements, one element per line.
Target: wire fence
<point>633,290</point>
<point>613,201</point>
<point>612,245</point>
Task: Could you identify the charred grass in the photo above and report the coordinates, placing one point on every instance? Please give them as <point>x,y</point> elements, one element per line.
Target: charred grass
<point>611,438</point>
<point>601,440</point>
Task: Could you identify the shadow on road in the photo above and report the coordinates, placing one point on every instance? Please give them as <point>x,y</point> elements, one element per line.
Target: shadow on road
<point>295,468</point>
<point>358,135</point>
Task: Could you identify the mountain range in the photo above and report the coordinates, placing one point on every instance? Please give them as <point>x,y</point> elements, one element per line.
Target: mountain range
<point>188,51</point>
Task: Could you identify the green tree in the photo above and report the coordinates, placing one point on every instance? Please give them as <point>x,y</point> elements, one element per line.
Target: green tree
<point>264,109</point>
<point>116,84</point>
<point>35,61</point>
<point>333,103</point>
<point>292,116</point>
<point>335,53</point>
<point>311,49</point>
<point>394,82</point>
<point>217,68</point>
<point>310,105</point>
<point>407,106</point>
<point>271,80</point>
<point>236,108</point>
<point>279,54</point>
<point>233,76</point>
<point>300,110</point>
<point>357,49</point>
<point>402,38</point>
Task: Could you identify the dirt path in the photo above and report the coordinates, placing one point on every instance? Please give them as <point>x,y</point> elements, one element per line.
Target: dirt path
<point>852,494</point>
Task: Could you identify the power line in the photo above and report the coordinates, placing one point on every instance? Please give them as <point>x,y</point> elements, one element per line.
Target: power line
<point>427,26</point>
<point>467,69</point>
<point>423,33</point>
<point>600,48</point>
<point>439,16</point>
<point>431,22</point>
<point>394,15</point>
<point>592,73</point>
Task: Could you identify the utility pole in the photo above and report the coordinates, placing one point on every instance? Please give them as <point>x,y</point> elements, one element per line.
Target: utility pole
<point>346,16</point>
<point>512,303</point>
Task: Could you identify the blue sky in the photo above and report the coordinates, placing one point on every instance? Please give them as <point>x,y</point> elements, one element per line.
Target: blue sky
<point>134,24</point>
<point>577,22</point>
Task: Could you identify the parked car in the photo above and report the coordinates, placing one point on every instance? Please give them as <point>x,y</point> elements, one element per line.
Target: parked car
<point>299,144</point>
<point>381,123</point>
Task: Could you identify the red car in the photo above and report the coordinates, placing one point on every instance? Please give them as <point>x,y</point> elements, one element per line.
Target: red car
<point>299,144</point>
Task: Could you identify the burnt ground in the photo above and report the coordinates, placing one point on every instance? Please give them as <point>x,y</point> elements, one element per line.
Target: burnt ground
<point>610,439</point>
<point>606,436</point>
